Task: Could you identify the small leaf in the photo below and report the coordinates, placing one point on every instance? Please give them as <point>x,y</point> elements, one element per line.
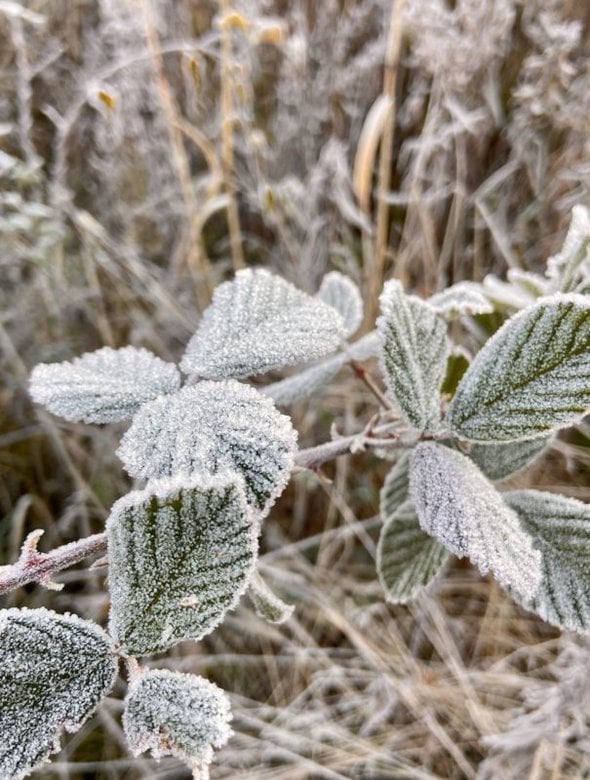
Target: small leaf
<point>268,606</point>
<point>456,504</point>
<point>180,556</point>
<point>259,322</point>
<point>55,670</point>
<point>571,265</point>
<point>408,559</point>
<point>212,427</point>
<point>531,377</point>
<point>460,300</point>
<point>103,386</point>
<point>561,528</point>
<point>396,488</point>
<point>342,293</point>
<point>413,355</point>
<point>175,714</point>
<point>498,461</point>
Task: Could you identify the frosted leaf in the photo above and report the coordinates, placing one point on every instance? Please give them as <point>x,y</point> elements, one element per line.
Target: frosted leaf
<point>266,603</point>
<point>306,382</point>
<point>572,264</point>
<point>408,559</point>
<point>498,461</point>
<point>459,300</point>
<point>212,427</point>
<point>55,670</point>
<point>259,322</point>
<point>396,488</point>
<point>175,714</point>
<point>561,527</point>
<point>505,295</point>
<point>342,293</point>
<point>180,556</point>
<point>531,377</point>
<point>413,355</point>
<point>456,504</point>
<point>103,386</point>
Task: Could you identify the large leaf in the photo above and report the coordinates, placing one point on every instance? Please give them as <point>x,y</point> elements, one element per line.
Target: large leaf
<point>212,427</point>
<point>456,504</point>
<point>259,322</point>
<point>103,386</point>
<point>342,293</point>
<point>180,556</point>
<point>55,669</point>
<point>561,527</point>
<point>175,714</point>
<point>460,300</point>
<point>498,461</point>
<point>531,377</point>
<point>408,559</point>
<point>413,355</point>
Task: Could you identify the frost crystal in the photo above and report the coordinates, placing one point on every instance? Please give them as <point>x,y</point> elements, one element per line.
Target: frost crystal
<point>570,268</point>
<point>561,527</point>
<point>498,461</point>
<point>464,298</point>
<point>456,504</point>
<point>259,322</point>
<point>180,556</point>
<point>212,427</point>
<point>342,293</point>
<point>267,605</point>
<point>103,386</point>
<point>531,377</point>
<point>55,670</point>
<point>175,714</point>
<point>413,355</point>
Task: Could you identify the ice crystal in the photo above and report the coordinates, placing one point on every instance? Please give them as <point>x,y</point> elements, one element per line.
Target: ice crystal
<point>531,377</point>
<point>456,504</point>
<point>413,355</point>
<point>103,386</point>
<point>175,714</point>
<point>464,298</point>
<point>55,670</point>
<point>561,527</point>
<point>498,461</point>
<point>408,559</point>
<point>570,268</point>
<point>259,322</point>
<point>342,293</point>
<point>180,556</point>
<point>268,605</point>
<point>212,427</point>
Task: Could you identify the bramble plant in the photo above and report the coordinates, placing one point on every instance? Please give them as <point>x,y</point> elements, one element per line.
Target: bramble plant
<point>216,453</point>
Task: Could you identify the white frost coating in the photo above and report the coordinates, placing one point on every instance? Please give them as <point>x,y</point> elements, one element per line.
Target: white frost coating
<point>570,268</point>
<point>414,348</point>
<point>55,669</point>
<point>396,488</point>
<point>306,382</point>
<point>561,528</point>
<point>531,377</point>
<point>175,714</point>
<point>259,322</point>
<point>459,300</point>
<point>456,504</point>
<point>342,293</point>
<point>212,427</point>
<point>180,556</point>
<point>498,461</point>
<point>103,386</point>
<point>266,603</point>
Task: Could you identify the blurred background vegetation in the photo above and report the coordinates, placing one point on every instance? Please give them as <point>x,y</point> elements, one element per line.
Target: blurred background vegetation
<point>150,147</point>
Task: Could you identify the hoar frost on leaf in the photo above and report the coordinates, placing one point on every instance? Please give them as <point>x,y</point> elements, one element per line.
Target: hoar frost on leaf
<point>266,603</point>
<point>413,355</point>
<point>531,377</point>
<point>103,386</point>
<point>459,300</point>
<point>342,293</point>
<point>175,714</point>
<point>180,556</point>
<point>498,461</point>
<point>212,427</point>
<point>259,322</point>
<point>396,488</point>
<point>570,268</point>
<point>55,669</point>
<point>456,504</point>
<point>561,528</point>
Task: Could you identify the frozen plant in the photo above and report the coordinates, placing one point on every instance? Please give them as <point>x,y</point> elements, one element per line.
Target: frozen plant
<point>216,453</point>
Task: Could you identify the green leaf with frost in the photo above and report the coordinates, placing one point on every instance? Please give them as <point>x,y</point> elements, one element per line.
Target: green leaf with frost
<point>175,714</point>
<point>561,528</point>
<point>530,378</point>
<point>499,461</point>
<point>396,488</point>
<point>55,670</point>
<point>267,604</point>
<point>259,322</point>
<point>342,293</point>
<point>414,352</point>
<point>457,505</point>
<point>464,299</point>
<point>180,556</point>
<point>103,386</point>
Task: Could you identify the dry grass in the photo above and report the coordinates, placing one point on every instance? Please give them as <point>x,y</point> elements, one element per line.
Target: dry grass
<point>146,148</point>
